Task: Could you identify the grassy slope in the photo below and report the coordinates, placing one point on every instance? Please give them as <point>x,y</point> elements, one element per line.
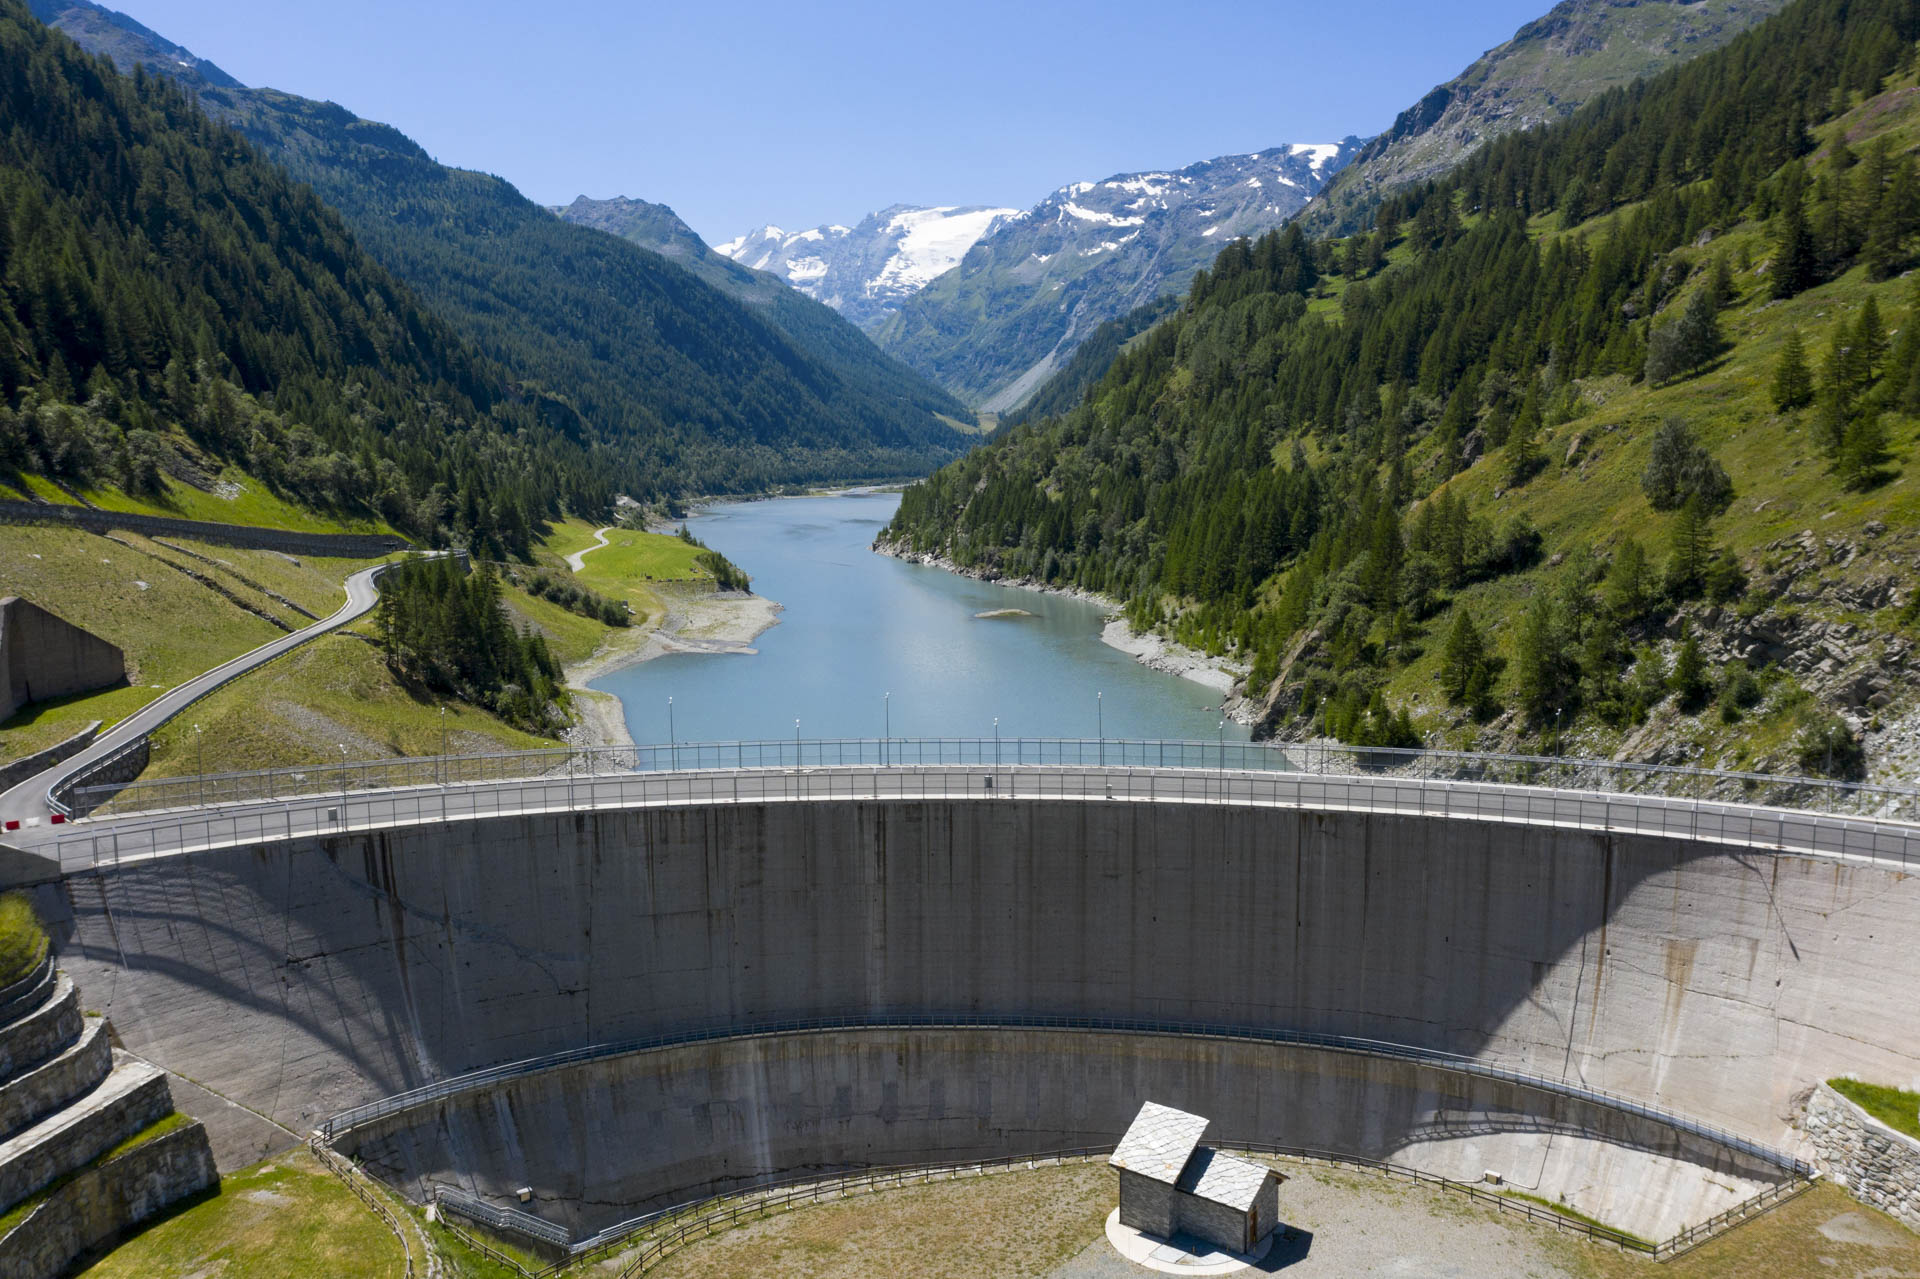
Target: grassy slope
<point>1894,1107</point>
<point>1782,479</point>
<point>300,709</point>
<point>170,629</point>
<point>287,1218</point>
<point>22,939</point>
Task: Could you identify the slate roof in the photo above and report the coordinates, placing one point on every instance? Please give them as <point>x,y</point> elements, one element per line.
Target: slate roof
<point>1159,1142</point>
<point>1222,1179</point>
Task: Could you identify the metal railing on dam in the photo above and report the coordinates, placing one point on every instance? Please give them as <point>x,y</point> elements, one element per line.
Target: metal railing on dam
<point>1830,819</point>
<point>1556,772</point>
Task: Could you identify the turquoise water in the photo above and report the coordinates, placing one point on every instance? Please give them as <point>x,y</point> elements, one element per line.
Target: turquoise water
<point>857,626</point>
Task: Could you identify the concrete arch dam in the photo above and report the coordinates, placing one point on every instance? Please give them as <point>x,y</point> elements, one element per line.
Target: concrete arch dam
<point>302,977</point>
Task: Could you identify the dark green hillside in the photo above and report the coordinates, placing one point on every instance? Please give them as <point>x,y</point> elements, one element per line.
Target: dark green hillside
<point>1522,463</point>
<point>699,392</point>
<point>712,395</point>
<point>173,304</point>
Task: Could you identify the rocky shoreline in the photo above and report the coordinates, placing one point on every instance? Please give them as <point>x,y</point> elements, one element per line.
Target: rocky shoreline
<point>694,622</point>
<point>1152,650</point>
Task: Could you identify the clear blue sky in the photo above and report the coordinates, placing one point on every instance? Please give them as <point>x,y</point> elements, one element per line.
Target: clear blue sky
<point>738,114</point>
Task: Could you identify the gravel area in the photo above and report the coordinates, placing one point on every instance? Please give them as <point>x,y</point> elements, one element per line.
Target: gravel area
<point>1352,1224</point>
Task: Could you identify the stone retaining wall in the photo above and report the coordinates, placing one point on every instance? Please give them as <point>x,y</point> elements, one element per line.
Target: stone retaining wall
<point>101,1204</point>
<point>1880,1166</point>
<point>347,545</point>
<point>46,1088</point>
<point>21,769</point>
<point>41,1034</point>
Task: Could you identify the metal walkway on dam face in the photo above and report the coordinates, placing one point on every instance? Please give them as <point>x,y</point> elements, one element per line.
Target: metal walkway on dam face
<point>1781,814</point>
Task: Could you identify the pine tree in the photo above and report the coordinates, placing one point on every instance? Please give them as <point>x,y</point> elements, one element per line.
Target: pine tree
<point>1462,659</point>
<point>1628,589</point>
<point>1793,261</point>
<point>1792,380</point>
<point>1691,551</point>
<point>1863,453</point>
<point>1689,677</point>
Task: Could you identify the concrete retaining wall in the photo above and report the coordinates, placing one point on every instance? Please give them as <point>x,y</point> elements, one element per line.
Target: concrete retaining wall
<point>654,1128</point>
<point>1880,1166</point>
<point>345,545</point>
<point>101,1204</point>
<point>301,977</point>
<point>43,656</point>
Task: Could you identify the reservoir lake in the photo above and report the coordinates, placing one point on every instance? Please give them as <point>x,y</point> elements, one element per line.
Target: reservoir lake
<point>858,625</point>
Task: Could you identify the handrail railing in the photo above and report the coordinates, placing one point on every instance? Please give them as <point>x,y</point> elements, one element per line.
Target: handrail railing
<point>116,841</point>
<point>1813,794</point>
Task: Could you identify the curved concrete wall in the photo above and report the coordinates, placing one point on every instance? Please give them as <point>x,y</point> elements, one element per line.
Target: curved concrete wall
<point>302,977</point>
<point>599,1142</point>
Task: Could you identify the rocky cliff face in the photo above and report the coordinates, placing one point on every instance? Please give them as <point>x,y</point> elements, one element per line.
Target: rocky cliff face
<point>1577,51</point>
<point>1040,282</point>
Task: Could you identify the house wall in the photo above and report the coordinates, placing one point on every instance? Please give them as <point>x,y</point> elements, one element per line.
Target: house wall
<point>1219,1225</point>
<point>1146,1204</point>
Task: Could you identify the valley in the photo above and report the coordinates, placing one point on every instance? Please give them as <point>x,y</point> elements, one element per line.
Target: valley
<point>759,751</point>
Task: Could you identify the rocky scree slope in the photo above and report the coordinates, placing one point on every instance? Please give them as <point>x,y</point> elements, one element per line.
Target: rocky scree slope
<point>994,328</point>
<point>1578,50</point>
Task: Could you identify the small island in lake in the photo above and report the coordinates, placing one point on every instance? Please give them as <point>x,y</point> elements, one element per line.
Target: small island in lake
<point>993,613</point>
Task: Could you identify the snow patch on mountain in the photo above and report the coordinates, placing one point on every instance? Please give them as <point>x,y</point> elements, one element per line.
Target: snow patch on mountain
<point>931,242</point>
<point>865,271</point>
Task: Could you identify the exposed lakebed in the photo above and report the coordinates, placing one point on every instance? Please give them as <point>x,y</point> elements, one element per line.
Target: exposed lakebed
<point>856,626</point>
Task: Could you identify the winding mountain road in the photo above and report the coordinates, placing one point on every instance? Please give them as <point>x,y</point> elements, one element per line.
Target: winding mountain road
<point>575,560</point>
<point>27,802</point>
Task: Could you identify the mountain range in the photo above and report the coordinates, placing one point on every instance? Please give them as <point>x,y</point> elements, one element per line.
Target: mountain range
<point>1576,51</point>
<point>1539,461</point>
<point>996,326</point>
<point>866,271</point>
<point>702,392</point>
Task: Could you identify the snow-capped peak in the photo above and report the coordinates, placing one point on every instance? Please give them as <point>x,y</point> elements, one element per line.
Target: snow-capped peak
<point>865,271</point>
<point>1322,152</point>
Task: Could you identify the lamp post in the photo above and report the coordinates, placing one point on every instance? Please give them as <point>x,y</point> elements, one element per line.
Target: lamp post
<point>200,762</point>
<point>996,741</point>
<point>673,745</point>
<point>1223,745</point>
<point>1100,710</point>
<point>441,769</point>
<point>796,742</point>
<point>886,742</point>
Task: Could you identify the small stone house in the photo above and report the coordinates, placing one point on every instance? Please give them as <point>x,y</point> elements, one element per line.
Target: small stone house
<point>1171,1184</point>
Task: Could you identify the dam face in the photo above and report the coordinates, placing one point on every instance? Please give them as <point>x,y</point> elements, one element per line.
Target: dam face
<point>301,977</point>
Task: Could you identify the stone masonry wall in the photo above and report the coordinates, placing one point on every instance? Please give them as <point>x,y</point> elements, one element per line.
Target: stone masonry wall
<point>102,1203</point>
<point>1880,1166</point>
<point>21,769</point>
<point>346,545</point>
